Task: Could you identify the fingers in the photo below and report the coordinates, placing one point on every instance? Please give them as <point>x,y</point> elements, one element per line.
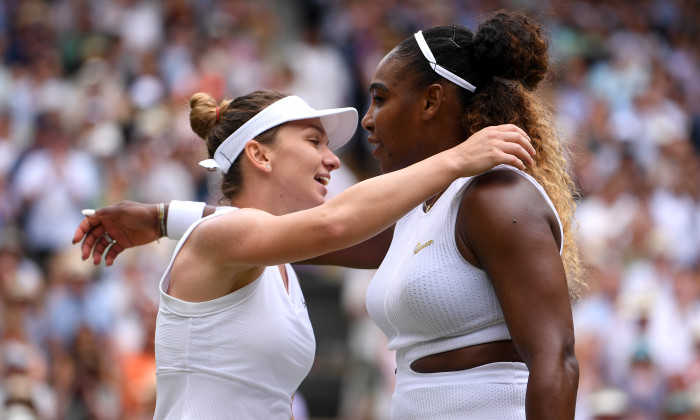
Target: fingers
<point>92,237</point>
<point>513,133</point>
<point>521,131</point>
<point>506,144</point>
<point>82,229</point>
<point>521,152</point>
<point>95,240</point>
<point>526,143</point>
<point>103,246</point>
<point>516,150</point>
<point>513,160</point>
<point>114,250</point>
<point>100,246</point>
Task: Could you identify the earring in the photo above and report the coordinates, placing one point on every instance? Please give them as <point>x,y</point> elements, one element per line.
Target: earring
<point>267,166</point>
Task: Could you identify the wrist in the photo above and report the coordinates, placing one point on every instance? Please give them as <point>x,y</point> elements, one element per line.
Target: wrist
<point>161,227</point>
<point>453,163</point>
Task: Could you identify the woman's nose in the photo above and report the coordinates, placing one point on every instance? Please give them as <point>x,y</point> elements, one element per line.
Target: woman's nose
<point>367,122</point>
<point>331,161</point>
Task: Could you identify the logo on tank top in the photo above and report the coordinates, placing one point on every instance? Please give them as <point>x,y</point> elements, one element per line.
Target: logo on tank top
<point>419,246</point>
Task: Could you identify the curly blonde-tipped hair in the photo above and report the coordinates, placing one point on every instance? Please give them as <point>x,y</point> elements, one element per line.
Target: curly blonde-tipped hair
<point>551,169</point>
<point>513,50</point>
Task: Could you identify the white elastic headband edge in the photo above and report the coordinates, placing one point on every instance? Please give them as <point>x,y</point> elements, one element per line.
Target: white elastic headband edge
<point>423,45</point>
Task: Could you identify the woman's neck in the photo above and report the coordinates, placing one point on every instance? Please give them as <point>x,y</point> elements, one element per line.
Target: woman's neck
<point>268,202</point>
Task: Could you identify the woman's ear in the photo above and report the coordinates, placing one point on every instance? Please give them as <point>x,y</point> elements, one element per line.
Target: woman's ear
<point>258,155</point>
<point>432,99</point>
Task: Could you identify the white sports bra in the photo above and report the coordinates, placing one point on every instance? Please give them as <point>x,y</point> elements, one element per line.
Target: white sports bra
<point>425,296</point>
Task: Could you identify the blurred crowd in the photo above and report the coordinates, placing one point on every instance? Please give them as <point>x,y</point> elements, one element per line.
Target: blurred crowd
<point>93,110</point>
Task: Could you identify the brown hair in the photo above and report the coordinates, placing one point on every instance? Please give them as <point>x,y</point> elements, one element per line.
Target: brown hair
<point>506,59</point>
<point>232,115</point>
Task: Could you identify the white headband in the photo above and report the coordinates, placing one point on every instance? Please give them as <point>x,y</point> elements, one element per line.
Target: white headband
<point>438,68</point>
<point>340,124</point>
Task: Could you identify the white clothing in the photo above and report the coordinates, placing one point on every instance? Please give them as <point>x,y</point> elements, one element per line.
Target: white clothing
<point>239,356</point>
<point>495,391</point>
<point>428,299</point>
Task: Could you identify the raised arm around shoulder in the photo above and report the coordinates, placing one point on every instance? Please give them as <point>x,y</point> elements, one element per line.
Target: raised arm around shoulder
<point>363,210</point>
<point>506,227</point>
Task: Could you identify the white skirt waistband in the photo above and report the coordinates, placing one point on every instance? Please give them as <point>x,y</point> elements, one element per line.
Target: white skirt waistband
<point>499,372</point>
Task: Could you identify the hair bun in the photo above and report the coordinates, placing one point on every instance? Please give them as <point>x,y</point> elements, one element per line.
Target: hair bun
<point>203,110</point>
<point>512,46</point>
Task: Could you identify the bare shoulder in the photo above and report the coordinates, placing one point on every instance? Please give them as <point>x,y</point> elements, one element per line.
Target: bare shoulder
<point>504,192</point>
<point>504,205</point>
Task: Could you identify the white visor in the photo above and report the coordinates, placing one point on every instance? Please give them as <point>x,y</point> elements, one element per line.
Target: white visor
<point>340,124</point>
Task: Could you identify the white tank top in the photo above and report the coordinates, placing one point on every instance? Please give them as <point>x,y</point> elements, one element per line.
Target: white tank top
<point>239,356</point>
<point>425,296</point>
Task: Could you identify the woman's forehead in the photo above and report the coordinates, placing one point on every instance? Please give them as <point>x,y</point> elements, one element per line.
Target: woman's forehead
<point>388,64</point>
<point>387,74</point>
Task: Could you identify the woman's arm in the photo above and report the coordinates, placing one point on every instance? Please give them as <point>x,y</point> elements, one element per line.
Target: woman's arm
<point>506,227</point>
<point>368,254</point>
<point>130,224</point>
<point>257,238</point>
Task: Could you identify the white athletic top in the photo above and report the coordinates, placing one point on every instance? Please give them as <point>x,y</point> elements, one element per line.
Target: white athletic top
<point>239,356</point>
<point>425,296</point>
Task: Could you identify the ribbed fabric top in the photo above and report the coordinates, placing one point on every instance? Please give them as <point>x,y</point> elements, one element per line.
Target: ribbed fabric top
<point>239,356</point>
<point>425,296</point>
